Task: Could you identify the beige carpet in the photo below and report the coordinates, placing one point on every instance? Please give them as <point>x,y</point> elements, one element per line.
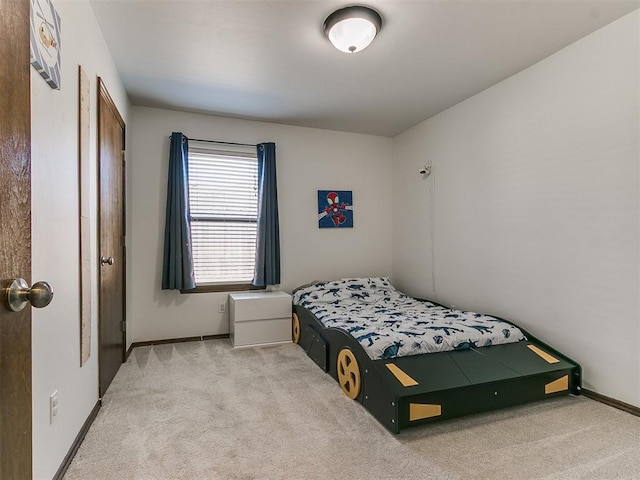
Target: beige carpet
<point>202,410</point>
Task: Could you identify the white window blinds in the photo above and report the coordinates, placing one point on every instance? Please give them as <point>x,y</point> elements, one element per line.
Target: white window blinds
<point>223,198</point>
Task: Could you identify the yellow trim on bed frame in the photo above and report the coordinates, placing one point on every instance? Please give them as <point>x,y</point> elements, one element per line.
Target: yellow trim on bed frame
<point>559,385</point>
<point>542,354</point>
<point>402,377</point>
<point>420,411</point>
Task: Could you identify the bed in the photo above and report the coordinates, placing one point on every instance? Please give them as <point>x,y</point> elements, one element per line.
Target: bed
<point>411,361</point>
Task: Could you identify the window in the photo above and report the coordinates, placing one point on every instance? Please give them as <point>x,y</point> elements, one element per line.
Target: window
<point>223,199</point>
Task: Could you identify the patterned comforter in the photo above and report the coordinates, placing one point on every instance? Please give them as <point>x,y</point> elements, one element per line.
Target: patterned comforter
<point>390,324</point>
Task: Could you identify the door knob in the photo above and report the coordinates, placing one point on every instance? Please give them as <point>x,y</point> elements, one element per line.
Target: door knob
<point>107,261</point>
<point>19,293</point>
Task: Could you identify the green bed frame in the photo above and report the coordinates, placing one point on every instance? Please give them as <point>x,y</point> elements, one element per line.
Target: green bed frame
<point>407,391</point>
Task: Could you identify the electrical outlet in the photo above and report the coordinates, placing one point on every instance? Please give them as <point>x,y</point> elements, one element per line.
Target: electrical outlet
<point>53,406</point>
<point>222,307</point>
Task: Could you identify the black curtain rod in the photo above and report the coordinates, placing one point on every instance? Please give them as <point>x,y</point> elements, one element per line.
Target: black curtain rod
<point>218,142</point>
<point>222,143</point>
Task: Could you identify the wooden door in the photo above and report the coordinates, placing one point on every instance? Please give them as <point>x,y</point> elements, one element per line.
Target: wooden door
<point>15,239</point>
<point>111,218</point>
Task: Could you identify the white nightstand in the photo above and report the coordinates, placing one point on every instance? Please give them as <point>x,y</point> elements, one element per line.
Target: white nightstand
<point>259,318</point>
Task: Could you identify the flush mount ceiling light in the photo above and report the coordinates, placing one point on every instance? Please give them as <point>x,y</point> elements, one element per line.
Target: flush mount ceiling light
<point>352,29</point>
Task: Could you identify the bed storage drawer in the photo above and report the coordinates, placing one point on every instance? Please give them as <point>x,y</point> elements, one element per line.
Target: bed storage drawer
<point>437,386</point>
<point>481,397</point>
<point>259,318</point>
<point>316,348</point>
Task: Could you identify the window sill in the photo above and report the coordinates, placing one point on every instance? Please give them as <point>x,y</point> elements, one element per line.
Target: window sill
<point>229,287</point>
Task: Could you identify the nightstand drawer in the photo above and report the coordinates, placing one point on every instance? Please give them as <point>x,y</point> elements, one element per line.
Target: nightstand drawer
<point>257,306</point>
<point>261,332</point>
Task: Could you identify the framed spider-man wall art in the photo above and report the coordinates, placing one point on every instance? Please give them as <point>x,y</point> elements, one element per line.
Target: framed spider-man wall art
<point>335,209</point>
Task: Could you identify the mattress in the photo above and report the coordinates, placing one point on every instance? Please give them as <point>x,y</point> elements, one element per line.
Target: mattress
<point>390,324</point>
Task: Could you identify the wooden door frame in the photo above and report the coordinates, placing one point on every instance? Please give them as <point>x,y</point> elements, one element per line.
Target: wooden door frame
<point>103,94</point>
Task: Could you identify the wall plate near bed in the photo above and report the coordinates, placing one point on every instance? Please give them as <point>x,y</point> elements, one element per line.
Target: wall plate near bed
<point>335,209</point>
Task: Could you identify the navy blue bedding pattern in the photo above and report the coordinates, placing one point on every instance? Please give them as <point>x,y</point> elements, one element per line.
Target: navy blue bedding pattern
<point>390,324</point>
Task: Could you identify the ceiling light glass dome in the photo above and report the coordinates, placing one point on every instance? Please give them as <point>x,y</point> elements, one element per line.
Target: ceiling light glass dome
<point>352,29</point>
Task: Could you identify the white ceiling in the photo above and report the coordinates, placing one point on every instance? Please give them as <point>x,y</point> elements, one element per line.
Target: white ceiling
<point>269,60</point>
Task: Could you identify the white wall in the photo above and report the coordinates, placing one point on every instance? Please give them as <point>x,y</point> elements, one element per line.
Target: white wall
<point>533,205</point>
<point>56,329</point>
<point>307,160</point>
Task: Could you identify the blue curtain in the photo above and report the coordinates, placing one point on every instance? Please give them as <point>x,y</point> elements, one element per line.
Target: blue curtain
<point>177,264</point>
<point>267,270</point>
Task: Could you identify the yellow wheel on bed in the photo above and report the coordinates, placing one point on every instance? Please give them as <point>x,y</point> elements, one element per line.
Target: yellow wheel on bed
<point>348,373</point>
<point>295,328</point>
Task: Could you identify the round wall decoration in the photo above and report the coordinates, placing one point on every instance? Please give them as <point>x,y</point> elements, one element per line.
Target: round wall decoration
<point>45,41</point>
